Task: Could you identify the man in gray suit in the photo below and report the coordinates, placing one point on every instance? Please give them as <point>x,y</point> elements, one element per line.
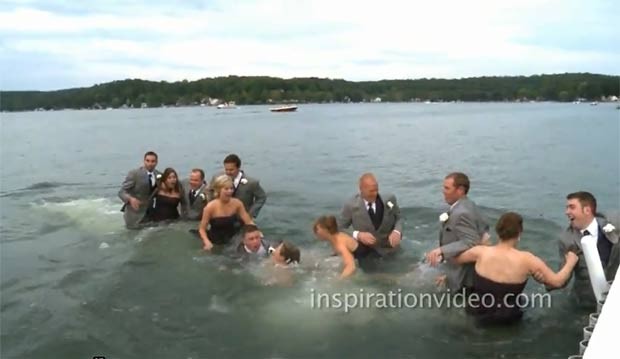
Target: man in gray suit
<point>247,189</point>
<point>462,228</point>
<point>584,220</point>
<point>375,219</point>
<point>195,192</point>
<point>137,190</point>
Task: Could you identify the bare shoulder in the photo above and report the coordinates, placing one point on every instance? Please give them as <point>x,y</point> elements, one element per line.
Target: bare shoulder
<point>236,202</point>
<point>346,240</point>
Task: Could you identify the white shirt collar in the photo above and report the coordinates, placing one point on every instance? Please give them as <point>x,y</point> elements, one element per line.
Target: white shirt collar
<point>197,189</point>
<point>592,228</point>
<point>374,204</point>
<point>237,179</point>
<point>454,204</point>
<point>261,249</point>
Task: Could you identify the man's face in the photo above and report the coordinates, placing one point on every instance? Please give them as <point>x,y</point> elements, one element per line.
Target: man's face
<point>578,215</point>
<point>252,241</point>
<point>451,193</point>
<point>369,188</point>
<point>231,170</point>
<point>150,162</point>
<point>194,180</point>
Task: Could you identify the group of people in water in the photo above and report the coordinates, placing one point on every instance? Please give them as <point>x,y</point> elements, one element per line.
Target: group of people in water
<point>228,205</point>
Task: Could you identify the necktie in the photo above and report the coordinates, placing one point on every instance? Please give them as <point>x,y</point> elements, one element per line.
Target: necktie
<point>151,179</point>
<point>371,211</point>
<point>586,233</point>
<point>192,196</point>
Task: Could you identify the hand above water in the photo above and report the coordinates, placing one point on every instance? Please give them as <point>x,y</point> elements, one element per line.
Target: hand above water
<point>394,239</point>
<point>134,203</point>
<point>434,257</point>
<point>366,238</point>
<point>440,281</point>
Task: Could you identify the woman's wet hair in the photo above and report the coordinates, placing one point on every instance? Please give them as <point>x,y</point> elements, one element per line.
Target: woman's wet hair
<point>290,253</point>
<point>509,226</point>
<point>328,222</point>
<point>219,183</point>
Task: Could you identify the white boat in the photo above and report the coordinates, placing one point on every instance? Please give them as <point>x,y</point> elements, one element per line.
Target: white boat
<point>226,105</point>
<point>289,108</point>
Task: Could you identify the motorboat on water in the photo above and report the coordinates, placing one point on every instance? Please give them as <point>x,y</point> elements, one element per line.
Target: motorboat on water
<point>227,105</point>
<point>288,108</point>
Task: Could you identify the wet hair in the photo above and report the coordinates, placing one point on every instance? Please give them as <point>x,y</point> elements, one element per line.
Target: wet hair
<point>586,199</point>
<point>198,170</point>
<point>328,222</point>
<point>290,252</point>
<point>460,180</point>
<point>150,153</point>
<point>219,183</point>
<point>167,172</point>
<point>509,226</point>
<point>233,158</point>
<point>249,228</point>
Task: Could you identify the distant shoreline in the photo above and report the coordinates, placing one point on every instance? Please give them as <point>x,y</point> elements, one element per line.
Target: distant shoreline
<point>260,90</point>
<point>267,106</point>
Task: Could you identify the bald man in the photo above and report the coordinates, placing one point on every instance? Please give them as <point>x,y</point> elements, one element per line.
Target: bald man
<point>375,218</point>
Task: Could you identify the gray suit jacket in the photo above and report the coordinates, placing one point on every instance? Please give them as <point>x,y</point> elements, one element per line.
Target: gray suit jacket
<point>249,192</point>
<point>193,211</point>
<point>463,229</point>
<point>136,184</point>
<point>582,289</point>
<point>354,214</point>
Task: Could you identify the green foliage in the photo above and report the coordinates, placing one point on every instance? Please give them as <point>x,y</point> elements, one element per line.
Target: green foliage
<point>261,90</point>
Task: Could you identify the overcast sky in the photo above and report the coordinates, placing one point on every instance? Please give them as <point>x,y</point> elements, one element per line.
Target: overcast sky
<point>59,44</point>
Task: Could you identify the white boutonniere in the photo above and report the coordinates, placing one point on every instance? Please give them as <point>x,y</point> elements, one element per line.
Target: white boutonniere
<point>244,181</point>
<point>609,228</point>
<point>444,217</point>
<point>202,196</point>
<point>390,204</point>
<point>158,176</point>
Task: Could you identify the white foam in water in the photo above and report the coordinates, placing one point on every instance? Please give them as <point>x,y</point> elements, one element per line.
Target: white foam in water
<point>104,245</point>
<point>216,306</point>
<point>101,215</point>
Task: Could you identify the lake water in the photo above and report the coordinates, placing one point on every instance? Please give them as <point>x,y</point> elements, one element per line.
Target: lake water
<point>75,283</point>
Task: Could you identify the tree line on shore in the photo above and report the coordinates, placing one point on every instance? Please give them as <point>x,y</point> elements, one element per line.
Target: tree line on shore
<point>136,93</point>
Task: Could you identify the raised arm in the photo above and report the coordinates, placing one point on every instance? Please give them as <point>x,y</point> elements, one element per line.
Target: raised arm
<point>562,250</point>
<point>470,255</point>
<point>549,278</point>
<point>467,234</point>
<point>202,228</point>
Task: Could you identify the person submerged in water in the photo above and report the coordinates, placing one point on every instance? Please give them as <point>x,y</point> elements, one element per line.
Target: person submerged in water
<point>326,228</point>
<point>284,254</point>
<point>502,271</point>
<point>253,244</point>
<point>276,269</point>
